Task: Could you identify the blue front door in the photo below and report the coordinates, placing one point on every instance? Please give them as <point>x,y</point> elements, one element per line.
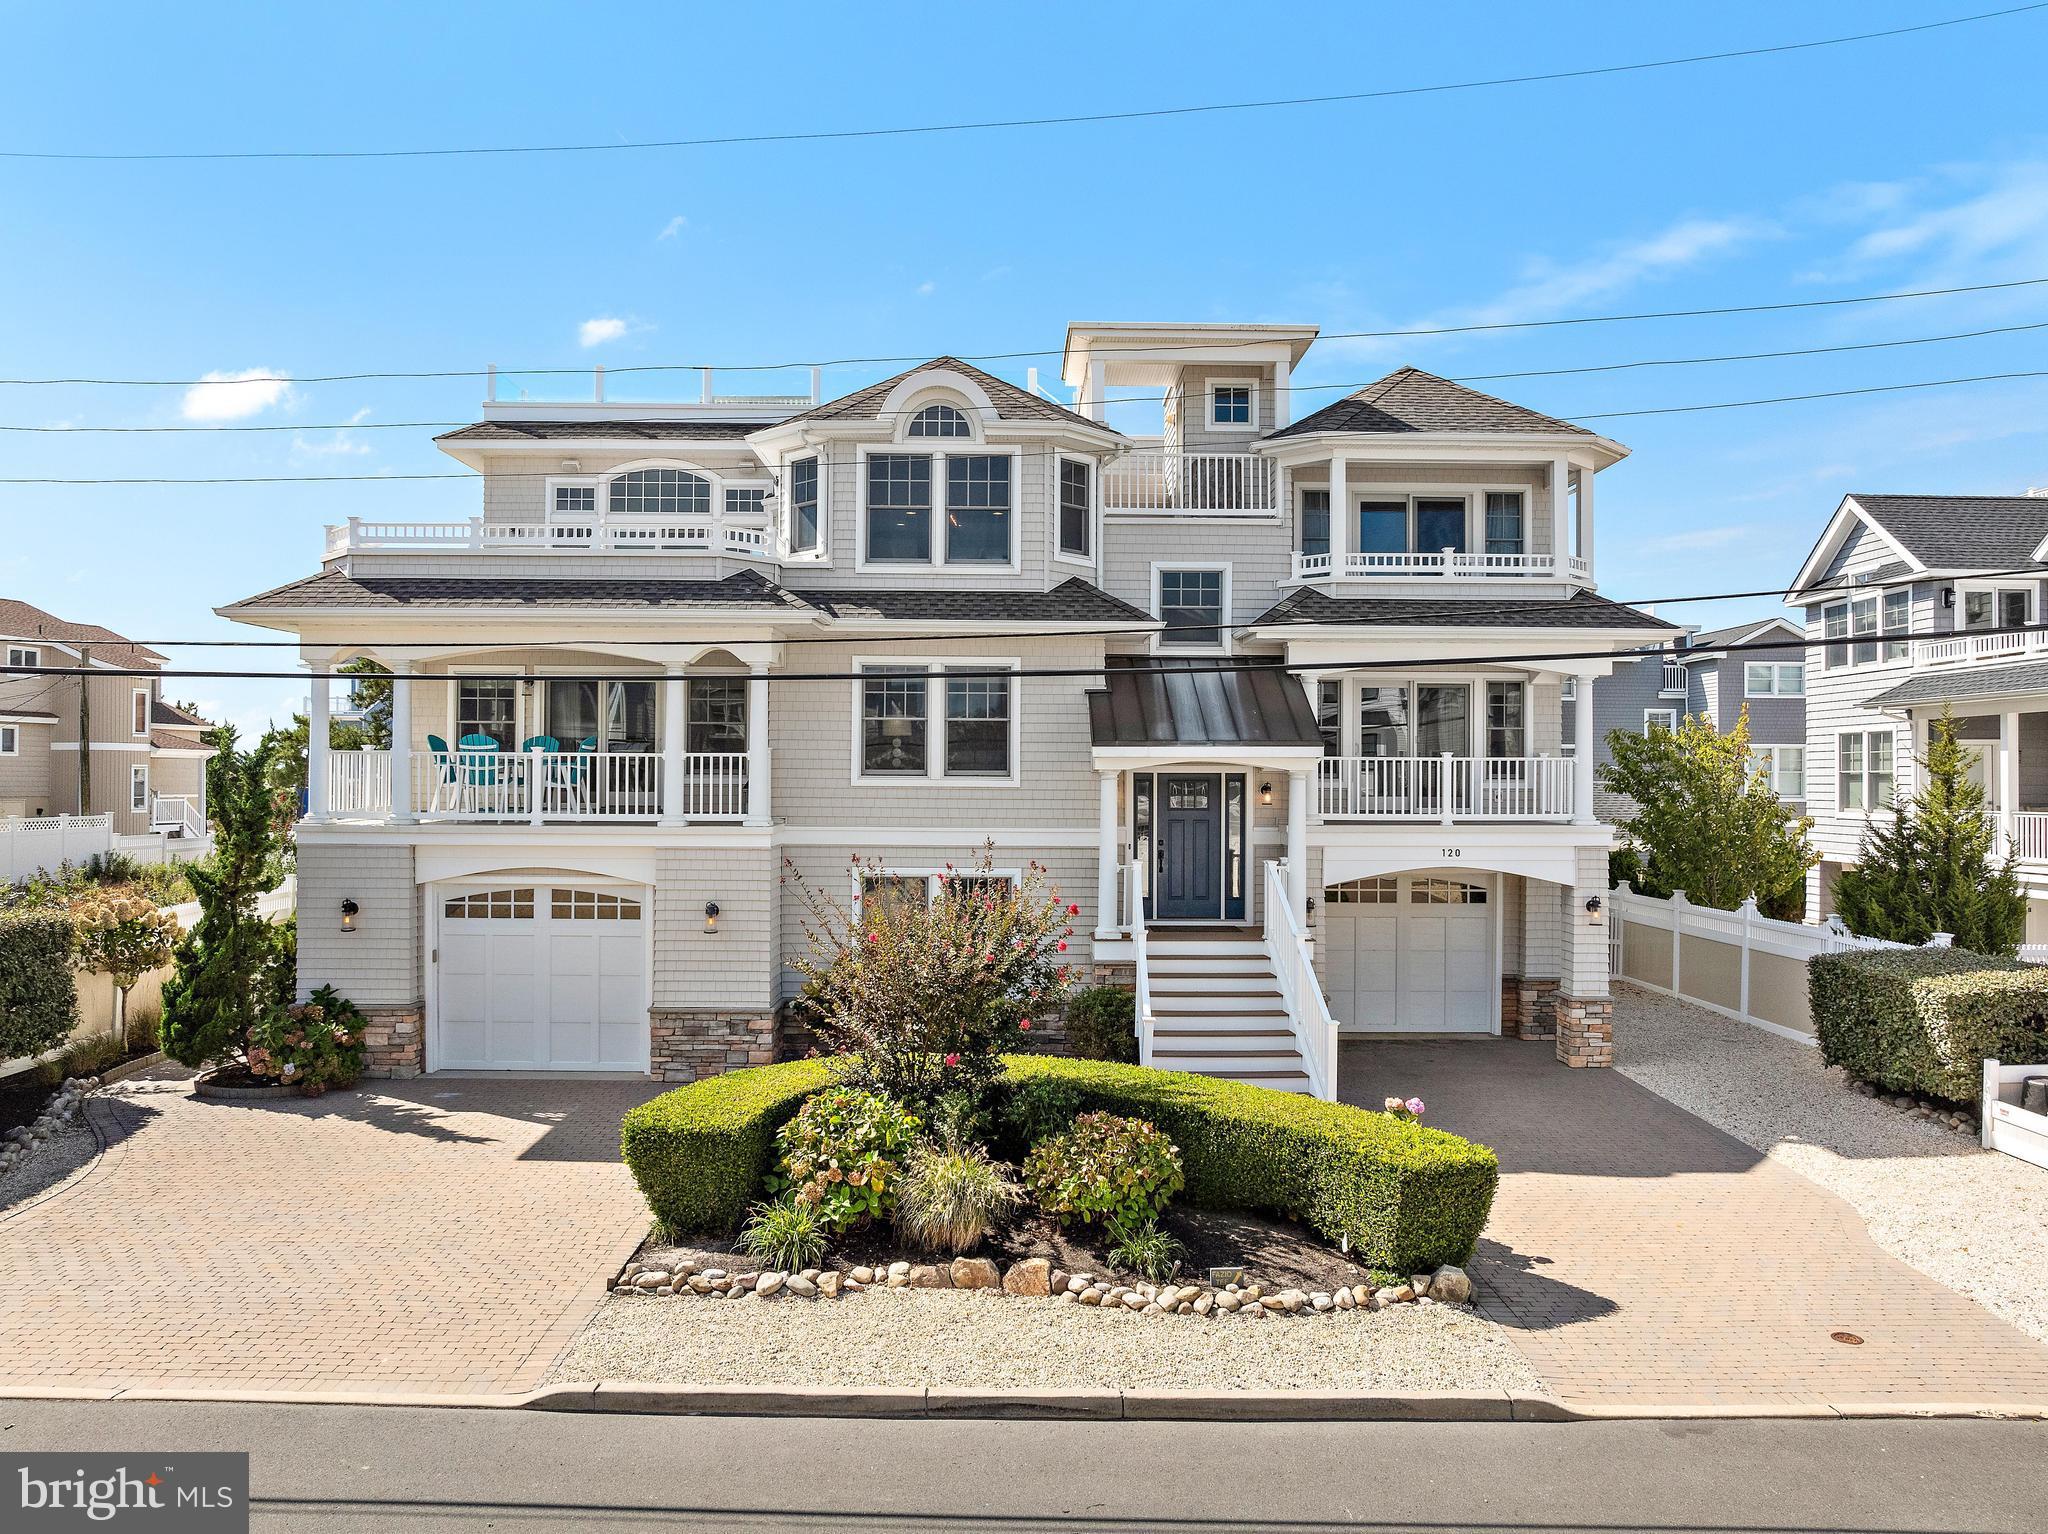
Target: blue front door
<point>1190,885</point>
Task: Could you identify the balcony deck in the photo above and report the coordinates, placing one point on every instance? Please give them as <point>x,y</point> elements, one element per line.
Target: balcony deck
<point>1446,564</point>
<point>1448,789</point>
<point>535,787</point>
<point>745,538</point>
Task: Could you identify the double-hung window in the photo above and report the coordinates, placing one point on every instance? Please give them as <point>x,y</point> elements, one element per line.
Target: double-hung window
<point>1878,625</point>
<point>979,499</point>
<point>489,706</point>
<point>1772,679</point>
<point>803,506</point>
<point>1504,529</point>
<point>1898,619</point>
<point>1784,768</point>
<point>717,715</point>
<point>139,703</point>
<point>974,710</point>
<point>1077,507</point>
<point>1507,731</point>
<point>138,788</point>
<point>10,740</point>
<point>1863,770</point>
<point>1315,522</point>
<point>1654,719</point>
<point>1191,609</point>
<point>900,507</point>
<point>1330,716</point>
<point>978,509</point>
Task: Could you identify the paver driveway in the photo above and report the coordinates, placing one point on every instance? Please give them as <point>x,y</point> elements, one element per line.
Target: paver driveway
<point>1642,1258</point>
<point>439,1235</point>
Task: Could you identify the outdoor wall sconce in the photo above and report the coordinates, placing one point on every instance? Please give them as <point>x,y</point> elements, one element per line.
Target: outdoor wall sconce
<point>710,916</point>
<point>1948,596</point>
<point>348,915</point>
<point>1592,905</point>
<point>1265,793</point>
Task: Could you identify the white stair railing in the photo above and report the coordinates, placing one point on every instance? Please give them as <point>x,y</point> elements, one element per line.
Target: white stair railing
<point>1315,1031</point>
<point>1134,918</point>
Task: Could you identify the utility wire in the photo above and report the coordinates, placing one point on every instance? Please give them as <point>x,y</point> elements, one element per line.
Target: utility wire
<point>994,124</point>
<point>1219,344</point>
<point>1121,401</point>
<point>512,474</point>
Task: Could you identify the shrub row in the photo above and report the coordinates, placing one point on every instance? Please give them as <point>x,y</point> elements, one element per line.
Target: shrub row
<point>1926,1019</point>
<point>1403,1197</point>
<point>38,989</point>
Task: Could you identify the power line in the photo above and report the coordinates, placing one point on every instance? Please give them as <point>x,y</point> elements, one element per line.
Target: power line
<point>1010,356</point>
<point>1125,400</point>
<point>1007,123</point>
<point>512,474</point>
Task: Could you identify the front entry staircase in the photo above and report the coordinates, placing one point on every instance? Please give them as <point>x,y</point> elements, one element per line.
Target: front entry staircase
<point>1217,1008</point>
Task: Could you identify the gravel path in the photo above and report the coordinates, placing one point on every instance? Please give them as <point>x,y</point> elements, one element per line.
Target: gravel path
<point>56,1159</point>
<point>1969,1218</point>
<point>947,1339</point>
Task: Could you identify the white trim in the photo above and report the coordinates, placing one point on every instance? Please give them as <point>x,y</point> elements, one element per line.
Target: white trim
<point>1847,515</point>
<point>936,542</point>
<point>921,400</point>
<point>102,745</point>
<point>819,553</point>
<point>935,774</point>
<point>1061,556</point>
<point>1777,669</point>
<point>934,380</point>
<point>24,655</point>
<point>1769,755</point>
<point>1866,772</point>
<point>1215,428</point>
<point>1224,628</point>
<point>139,695</point>
<point>10,740</point>
<point>1669,716</point>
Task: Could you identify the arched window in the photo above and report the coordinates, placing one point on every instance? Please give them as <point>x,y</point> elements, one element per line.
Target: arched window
<point>939,421</point>
<point>661,493</point>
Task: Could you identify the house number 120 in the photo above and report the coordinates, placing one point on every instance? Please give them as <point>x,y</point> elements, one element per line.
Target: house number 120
<point>1454,852</point>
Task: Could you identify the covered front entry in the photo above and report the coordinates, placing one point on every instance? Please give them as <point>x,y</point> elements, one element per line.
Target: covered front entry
<point>535,976</point>
<point>1413,953</point>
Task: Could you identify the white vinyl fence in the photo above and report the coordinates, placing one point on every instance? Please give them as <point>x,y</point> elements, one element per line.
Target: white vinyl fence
<point>1737,963</point>
<point>45,841</point>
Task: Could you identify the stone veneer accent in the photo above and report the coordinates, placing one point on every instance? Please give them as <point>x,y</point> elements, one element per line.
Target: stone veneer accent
<point>1535,1010</point>
<point>394,1041</point>
<point>1585,1031</point>
<point>689,1045</point>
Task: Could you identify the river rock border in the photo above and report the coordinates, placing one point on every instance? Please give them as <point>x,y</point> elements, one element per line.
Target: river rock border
<point>1037,1278</point>
<point>1929,1109</point>
<point>59,1113</point>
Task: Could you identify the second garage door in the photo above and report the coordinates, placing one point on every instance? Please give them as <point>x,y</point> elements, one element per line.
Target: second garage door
<point>540,977</point>
<point>1411,953</point>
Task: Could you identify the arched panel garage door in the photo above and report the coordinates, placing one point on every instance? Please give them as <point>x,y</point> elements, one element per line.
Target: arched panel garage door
<point>539,977</point>
<point>1412,953</point>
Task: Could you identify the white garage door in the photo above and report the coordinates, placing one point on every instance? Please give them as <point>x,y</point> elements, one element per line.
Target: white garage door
<point>1411,953</point>
<point>540,977</point>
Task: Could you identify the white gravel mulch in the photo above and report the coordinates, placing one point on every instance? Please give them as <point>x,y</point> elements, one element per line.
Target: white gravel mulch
<point>55,1159</point>
<point>1970,1218</point>
<point>951,1339</point>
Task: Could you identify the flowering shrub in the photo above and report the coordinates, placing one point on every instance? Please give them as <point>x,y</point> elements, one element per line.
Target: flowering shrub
<point>1409,1111</point>
<point>313,1046</point>
<point>927,994</point>
<point>122,936</point>
<point>841,1154</point>
<point>1106,1168</point>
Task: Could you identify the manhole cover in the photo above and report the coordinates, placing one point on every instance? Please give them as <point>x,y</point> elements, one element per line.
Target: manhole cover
<point>1851,1338</point>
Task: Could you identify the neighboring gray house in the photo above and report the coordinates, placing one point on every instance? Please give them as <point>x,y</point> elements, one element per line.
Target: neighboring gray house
<point>1713,679</point>
<point>1913,604</point>
<point>688,651</point>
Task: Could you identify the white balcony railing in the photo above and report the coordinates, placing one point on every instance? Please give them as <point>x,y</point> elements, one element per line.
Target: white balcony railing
<point>1674,685</point>
<point>2029,836</point>
<point>1445,564</point>
<point>538,786</point>
<point>1169,479</point>
<point>1997,644</point>
<point>176,813</point>
<point>599,534</point>
<point>1445,788</point>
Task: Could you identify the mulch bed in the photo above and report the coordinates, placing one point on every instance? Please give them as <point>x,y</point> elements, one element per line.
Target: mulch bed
<point>1278,1254</point>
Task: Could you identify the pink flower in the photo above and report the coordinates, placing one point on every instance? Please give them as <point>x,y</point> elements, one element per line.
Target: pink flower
<point>1025,1025</point>
<point>874,938</point>
<point>1063,945</point>
<point>1073,909</point>
<point>952,1061</point>
<point>1414,1106</point>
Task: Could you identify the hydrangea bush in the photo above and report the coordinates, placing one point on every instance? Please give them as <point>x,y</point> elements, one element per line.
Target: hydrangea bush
<point>313,1046</point>
<point>1117,1170</point>
<point>842,1153</point>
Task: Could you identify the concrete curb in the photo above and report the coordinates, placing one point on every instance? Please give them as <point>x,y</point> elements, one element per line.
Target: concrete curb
<point>135,1067</point>
<point>916,1402</point>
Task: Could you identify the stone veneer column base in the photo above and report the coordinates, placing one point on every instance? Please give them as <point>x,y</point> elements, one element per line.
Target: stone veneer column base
<point>688,1044</point>
<point>1585,1031</point>
<point>394,1042</point>
<point>1535,1009</point>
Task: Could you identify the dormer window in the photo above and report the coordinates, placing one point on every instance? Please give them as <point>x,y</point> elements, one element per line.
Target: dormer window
<point>659,493</point>
<point>939,421</point>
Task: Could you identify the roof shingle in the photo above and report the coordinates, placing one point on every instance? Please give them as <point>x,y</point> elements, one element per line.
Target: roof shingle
<point>1582,609</point>
<point>1950,532</point>
<point>20,620</point>
<point>624,431</point>
<point>1011,403</point>
<point>1410,400</point>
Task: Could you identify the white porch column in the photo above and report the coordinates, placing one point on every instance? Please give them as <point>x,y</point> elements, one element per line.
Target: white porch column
<point>674,745</point>
<point>317,740</point>
<point>1583,748</point>
<point>1282,395</point>
<point>1586,519</point>
<point>1343,525</point>
<point>402,684</point>
<point>760,807</point>
<point>1109,853</point>
<point>1098,388</point>
<point>1298,790</point>
<point>2008,778</point>
<point>1560,509</point>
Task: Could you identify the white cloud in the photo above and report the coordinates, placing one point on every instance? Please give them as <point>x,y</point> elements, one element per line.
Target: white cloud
<point>341,442</point>
<point>598,331</point>
<point>926,288</point>
<point>2008,217</point>
<point>232,396</point>
<point>673,227</point>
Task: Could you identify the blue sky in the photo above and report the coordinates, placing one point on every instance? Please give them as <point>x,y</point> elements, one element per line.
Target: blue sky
<point>1903,163</point>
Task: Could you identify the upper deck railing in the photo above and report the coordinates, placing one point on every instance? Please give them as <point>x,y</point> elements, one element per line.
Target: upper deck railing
<point>747,538</point>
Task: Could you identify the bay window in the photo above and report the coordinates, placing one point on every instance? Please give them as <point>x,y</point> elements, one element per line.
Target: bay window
<point>978,509</point>
<point>1315,522</point>
<point>900,507</point>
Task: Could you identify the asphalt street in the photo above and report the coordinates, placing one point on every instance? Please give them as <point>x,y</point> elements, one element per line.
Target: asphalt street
<point>345,1469</point>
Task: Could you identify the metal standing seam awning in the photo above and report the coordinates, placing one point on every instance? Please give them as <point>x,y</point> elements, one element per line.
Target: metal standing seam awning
<point>1201,707</point>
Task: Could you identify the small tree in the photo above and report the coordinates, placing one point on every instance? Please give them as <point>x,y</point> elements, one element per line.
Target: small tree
<point>219,989</point>
<point>927,993</point>
<point>372,696</point>
<point>1935,867</point>
<point>1706,817</point>
<point>124,937</point>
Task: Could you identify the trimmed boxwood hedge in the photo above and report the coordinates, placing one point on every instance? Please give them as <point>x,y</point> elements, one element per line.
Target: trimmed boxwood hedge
<point>1926,1019</point>
<point>38,988</point>
<point>1406,1198</point>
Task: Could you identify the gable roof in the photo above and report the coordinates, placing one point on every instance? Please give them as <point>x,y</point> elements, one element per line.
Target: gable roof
<point>1011,402</point>
<point>1962,531</point>
<point>1756,630</point>
<point>1410,400</point>
<point>1582,609</point>
<point>162,712</point>
<point>20,620</point>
